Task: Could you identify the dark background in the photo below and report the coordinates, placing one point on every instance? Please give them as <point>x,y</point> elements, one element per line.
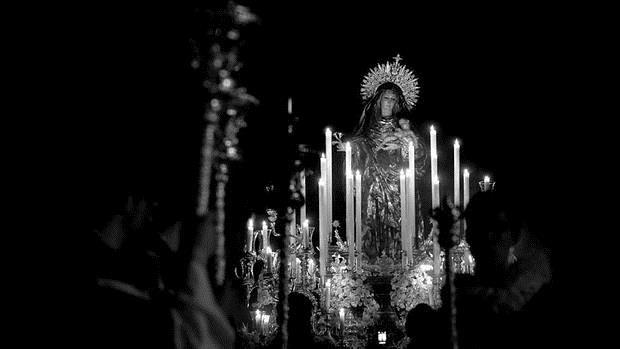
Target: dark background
<point>501,79</point>
<point>505,80</point>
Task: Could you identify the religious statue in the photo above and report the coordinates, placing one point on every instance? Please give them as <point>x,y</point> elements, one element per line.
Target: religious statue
<point>380,150</point>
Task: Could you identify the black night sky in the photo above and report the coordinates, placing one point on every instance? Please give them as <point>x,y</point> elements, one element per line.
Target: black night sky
<point>495,78</point>
<point>501,79</point>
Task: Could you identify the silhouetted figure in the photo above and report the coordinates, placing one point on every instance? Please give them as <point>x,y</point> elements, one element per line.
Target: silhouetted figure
<point>494,306</point>
<point>300,332</point>
<point>422,327</point>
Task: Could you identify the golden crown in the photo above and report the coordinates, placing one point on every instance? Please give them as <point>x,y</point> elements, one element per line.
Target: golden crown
<point>395,73</point>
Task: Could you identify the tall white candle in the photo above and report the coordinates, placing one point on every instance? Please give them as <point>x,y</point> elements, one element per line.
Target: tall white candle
<point>410,213</point>
<point>290,106</point>
<point>465,188</point>
<point>413,233</point>
<point>411,199</point>
<point>457,173</point>
<point>435,192</point>
<point>435,203</point>
<point>250,236</point>
<point>293,226</point>
<point>305,231</point>
<point>265,233</point>
<point>358,214</point>
<point>302,209</point>
<point>328,178</point>
<point>403,212</point>
<point>350,220</point>
<point>269,258</point>
<point>322,230</point>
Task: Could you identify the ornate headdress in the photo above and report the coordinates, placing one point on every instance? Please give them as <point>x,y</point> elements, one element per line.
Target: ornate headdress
<point>395,73</point>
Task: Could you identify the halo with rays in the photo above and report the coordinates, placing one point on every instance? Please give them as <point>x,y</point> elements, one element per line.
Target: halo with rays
<point>396,73</point>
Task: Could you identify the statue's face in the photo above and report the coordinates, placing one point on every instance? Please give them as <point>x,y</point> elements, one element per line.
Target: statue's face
<point>387,103</point>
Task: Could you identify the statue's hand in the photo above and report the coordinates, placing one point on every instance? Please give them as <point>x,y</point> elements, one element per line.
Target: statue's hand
<point>390,143</point>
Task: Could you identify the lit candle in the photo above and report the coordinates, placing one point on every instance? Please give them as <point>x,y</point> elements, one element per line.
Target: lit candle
<point>293,226</point>
<point>403,214</point>
<point>341,313</point>
<point>358,214</point>
<point>465,188</point>
<point>350,220</point>
<point>411,200</point>
<point>328,179</point>
<point>266,323</point>
<point>302,209</point>
<point>290,105</point>
<point>250,236</point>
<point>457,173</point>
<point>305,232</point>
<point>322,229</point>
<point>435,202</point>
<point>413,233</point>
<point>435,192</point>
<point>487,183</point>
<point>257,320</point>
<point>265,233</point>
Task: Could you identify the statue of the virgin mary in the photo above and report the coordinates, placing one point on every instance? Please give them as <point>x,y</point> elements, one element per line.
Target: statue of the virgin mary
<point>380,150</point>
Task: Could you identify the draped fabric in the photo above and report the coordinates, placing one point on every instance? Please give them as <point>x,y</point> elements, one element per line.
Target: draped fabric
<point>381,151</point>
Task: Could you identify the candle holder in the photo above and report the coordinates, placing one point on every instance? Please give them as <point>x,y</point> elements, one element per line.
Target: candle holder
<point>486,186</point>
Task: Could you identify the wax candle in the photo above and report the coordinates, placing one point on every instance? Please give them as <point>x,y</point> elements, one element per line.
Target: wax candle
<point>302,209</point>
<point>341,312</point>
<point>435,202</point>
<point>350,219</point>
<point>305,234</point>
<point>250,236</point>
<point>290,106</point>
<point>457,173</point>
<point>358,215</point>
<point>322,229</point>
<point>403,213</point>
<point>411,203</point>
<point>265,233</point>
<point>328,179</point>
<point>465,188</point>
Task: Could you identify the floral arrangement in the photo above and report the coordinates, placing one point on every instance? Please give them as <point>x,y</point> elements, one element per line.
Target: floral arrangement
<point>411,287</point>
<point>349,290</point>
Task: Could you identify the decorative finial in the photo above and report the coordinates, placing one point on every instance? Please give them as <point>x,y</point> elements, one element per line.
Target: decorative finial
<point>397,59</point>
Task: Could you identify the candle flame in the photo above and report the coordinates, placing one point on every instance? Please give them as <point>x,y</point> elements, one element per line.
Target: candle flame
<point>357,173</point>
<point>322,156</point>
<point>433,129</point>
<point>328,131</point>
<point>466,172</point>
<point>264,225</point>
<point>306,222</point>
<point>347,146</point>
<point>456,144</point>
<point>487,179</point>
<point>268,250</point>
<point>342,312</point>
<point>250,223</point>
